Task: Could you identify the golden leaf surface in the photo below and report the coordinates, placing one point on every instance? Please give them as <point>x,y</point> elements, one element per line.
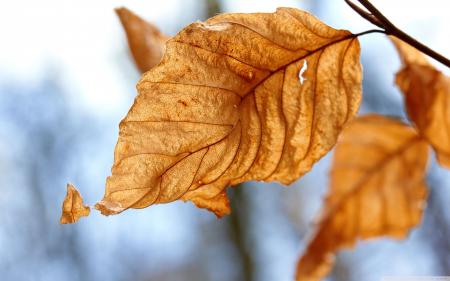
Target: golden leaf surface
<point>239,97</point>
<point>427,99</point>
<point>73,208</point>
<point>377,188</point>
<point>146,42</point>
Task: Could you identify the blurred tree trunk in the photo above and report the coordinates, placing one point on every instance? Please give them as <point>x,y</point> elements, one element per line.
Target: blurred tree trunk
<point>437,230</point>
<point>213,8</point>
<point>239,224</point>
<point>238,221</point>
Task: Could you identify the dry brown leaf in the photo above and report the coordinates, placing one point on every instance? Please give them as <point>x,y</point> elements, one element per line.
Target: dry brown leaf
<point>239,97</point>
<point>146,42</point>
<point>73,208</point>
<point>427,99</point>
<point>377,189</point>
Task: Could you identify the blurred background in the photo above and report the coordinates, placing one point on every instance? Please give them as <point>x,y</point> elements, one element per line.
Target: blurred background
<point>67,79</point>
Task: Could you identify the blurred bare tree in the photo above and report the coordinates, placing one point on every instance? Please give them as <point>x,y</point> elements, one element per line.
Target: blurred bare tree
<point>45,134</point>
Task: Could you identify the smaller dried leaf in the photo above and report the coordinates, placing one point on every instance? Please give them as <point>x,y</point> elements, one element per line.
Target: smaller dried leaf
<point>73,208</point>
<point>377,189</point>
<point>146,42</point>
<point>427,99</point>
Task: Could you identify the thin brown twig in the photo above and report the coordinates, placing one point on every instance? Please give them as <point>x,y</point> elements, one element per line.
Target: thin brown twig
<point>365,14</point>
<point>378,19</point>
<point>375,12</point>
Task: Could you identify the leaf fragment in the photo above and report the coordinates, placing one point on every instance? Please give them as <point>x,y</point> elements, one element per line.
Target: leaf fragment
<point>427,99</point>
<point>73,208</point>
<point>146,42</point>
<point>225,106</point>
<point>377,188</point>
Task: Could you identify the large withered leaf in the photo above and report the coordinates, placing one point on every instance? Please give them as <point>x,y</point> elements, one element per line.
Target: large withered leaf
<point>377,189</point>
<point>427,99</point>
<point>146,42</point>
<point>236,98</point>
<point>73,208</point>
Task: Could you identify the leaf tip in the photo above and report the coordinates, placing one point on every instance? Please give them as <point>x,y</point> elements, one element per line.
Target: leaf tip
<point>121,10</point>
<point>108,208</point>
<point>219,205</point>
<point>314,266</point>
<point>408,54</point>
